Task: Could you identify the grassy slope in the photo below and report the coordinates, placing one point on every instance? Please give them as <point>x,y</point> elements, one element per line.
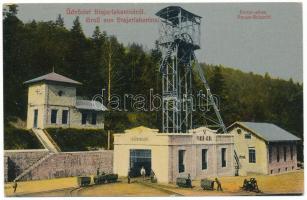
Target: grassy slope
<point>78,139</point>
<point>16,138</point>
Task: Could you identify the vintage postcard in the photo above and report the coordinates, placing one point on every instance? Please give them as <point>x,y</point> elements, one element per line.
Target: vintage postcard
<point>152,99</point>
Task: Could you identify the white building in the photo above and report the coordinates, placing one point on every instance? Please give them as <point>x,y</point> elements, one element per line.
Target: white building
<point>52,102</point>
<point>201,153</point>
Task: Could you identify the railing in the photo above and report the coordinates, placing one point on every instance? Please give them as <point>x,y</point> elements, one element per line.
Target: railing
<point>39,138</point>
<point>43,138</point>
<point>52,141</point>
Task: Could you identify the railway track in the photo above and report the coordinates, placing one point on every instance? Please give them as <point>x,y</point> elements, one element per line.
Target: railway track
<point>75,192</point>
<point>158,187</point>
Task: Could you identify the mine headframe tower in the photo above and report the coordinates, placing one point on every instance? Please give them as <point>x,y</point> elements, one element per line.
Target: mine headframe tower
<point>179,37</point>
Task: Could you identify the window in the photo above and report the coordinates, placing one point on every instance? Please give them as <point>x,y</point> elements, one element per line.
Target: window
<point>285,153</point>
<point>291,151</point>
<point>270,153</point>
<point>223,152</point>
<point>94,118</point>
<point>53,116</point>
<point>277,153</point>
<point>181,155</point>
<point>248,136</point>
<point>35,118</point>
<point>84,118</point>
<point>60,93</point>
<point>204,159</point>
<point>271,171</point>
<point>64,116</point>
<point>252,155</point>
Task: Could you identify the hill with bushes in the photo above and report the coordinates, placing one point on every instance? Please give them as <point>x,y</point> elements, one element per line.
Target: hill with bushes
<point>70,139</point>
<point>17,138</point>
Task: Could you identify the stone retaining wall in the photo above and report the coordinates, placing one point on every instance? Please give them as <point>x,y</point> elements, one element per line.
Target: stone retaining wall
<point>67,164</point>
<point>16,161</point>
<point>5,169</point>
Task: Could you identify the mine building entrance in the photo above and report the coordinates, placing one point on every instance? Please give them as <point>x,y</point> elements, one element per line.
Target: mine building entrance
<point>139,158</point>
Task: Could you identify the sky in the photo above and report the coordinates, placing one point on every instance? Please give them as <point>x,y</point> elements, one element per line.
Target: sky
<point>252,37</point>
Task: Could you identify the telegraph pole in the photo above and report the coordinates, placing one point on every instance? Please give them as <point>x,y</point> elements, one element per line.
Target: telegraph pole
<point>109,85</point>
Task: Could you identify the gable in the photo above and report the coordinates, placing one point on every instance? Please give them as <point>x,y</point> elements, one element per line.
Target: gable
<point>266,131</point>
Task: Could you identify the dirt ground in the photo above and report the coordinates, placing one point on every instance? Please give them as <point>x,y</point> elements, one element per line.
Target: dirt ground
<point>288,183</point>
<point>29,187</point>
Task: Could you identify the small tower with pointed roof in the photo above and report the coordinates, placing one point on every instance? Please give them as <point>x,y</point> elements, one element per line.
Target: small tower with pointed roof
<point>52,102</point>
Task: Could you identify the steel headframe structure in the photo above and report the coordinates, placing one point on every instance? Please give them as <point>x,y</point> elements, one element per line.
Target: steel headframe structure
<point>179,38</point>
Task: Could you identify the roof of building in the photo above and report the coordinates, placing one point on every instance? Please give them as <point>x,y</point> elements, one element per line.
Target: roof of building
<point>141,129</point>
<point>90,105</point>
<point>267,131</point>
<point>54,77</point>
<point>171,13</point>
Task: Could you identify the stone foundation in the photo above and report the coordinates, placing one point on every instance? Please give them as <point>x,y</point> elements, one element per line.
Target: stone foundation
<point>17,161</point>
<point>63,164</point>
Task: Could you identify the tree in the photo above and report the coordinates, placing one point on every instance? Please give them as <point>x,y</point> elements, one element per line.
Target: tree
<point>77,28</point>
<point>266,75</point>
<point>97,35</point>
<point>10,10</point>
<point>217,84</point>
<point>60,21</point>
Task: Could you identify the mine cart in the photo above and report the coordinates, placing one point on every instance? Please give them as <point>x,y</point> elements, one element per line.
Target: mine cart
<point>184,182</point>
<point>100,179</point>
<point>105,178</point>
<point>84,181</point>
<point>250,185</point>
<point>207,184</point>
<point>111,178</point>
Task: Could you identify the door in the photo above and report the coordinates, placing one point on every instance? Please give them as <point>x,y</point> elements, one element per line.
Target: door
<point>35,118</point>
<point>140,158</point>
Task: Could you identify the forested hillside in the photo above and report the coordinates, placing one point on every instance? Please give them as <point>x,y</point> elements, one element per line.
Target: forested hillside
<point>34,49</point>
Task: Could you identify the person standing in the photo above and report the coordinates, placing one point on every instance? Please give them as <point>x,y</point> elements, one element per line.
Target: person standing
<point>143,172</point>
<point>15,186</point>
<point>152,176</point>
<point>189,181</point>
<point>129,176</point>
<point>219,185</point>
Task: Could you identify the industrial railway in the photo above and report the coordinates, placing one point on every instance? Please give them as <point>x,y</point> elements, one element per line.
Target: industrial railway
<point>75,192</point>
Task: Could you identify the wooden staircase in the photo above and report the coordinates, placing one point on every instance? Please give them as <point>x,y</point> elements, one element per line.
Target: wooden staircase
<point>46,140</point>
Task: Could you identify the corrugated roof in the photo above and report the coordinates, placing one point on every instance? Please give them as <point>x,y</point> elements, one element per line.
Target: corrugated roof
<point>269,132</point>
<point>53,77</point>
<point>90,105</point>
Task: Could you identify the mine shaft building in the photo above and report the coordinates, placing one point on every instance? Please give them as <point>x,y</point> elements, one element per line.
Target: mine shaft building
<point>182,148</point>
<point>201,152</point>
